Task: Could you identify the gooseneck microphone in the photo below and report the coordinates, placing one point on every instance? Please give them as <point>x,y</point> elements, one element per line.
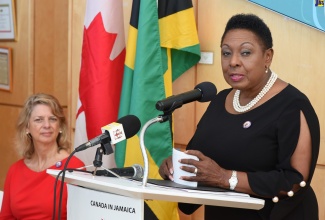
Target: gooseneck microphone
<point>131,125</point>
<point>202,92</point>
<point>136,171</point>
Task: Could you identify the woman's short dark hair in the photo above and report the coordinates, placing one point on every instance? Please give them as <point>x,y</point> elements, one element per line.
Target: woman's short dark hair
<point>252,23</point>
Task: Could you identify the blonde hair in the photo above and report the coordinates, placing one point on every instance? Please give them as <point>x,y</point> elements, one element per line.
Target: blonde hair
<point>24,142</point>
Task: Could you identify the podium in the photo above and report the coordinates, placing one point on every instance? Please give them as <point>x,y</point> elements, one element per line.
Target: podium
<point>99,197</point>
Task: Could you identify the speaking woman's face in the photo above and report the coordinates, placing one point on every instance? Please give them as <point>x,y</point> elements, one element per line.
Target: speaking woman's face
<point>244,60</point>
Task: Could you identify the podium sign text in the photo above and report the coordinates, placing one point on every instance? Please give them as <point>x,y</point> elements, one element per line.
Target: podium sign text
<point>85,204</point>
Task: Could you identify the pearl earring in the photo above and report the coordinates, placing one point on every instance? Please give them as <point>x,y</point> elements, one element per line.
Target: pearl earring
<point>27,133</point>
<point>60,132</point>
<point>266,69</point>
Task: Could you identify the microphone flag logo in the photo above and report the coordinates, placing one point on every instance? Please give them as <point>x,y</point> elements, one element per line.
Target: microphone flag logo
<point>118,134</point>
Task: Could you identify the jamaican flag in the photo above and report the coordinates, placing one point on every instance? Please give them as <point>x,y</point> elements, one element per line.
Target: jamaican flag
<point>162,44</point>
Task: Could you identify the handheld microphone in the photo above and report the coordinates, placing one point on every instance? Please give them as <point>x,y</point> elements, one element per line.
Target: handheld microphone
<point>136,171</point>
<point>130,124</point>
<point>202,92</point>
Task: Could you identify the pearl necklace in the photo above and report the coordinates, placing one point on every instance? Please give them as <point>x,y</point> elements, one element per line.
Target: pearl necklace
<point>267,87</point>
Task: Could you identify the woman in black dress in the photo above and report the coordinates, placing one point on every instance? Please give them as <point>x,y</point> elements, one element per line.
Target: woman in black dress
<point>260,137</point>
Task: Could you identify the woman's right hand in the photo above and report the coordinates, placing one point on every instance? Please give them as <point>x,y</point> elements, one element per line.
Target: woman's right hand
<point>166,169</point>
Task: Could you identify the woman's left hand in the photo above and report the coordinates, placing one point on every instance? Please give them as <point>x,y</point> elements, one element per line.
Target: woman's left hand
<point>208,171</point>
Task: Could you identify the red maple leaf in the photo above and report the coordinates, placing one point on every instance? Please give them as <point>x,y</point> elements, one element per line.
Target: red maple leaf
<point>100,78</point>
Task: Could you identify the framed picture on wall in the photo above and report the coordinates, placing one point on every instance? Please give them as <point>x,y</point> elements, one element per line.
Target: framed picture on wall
<point>6,69</point>
<point>7,20</point>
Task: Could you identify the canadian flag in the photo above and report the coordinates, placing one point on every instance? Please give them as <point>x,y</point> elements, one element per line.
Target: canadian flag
<point>101,74</point>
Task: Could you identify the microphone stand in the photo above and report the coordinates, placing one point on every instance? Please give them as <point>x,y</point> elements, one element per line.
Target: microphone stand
<point>106,149</point>
<point>160,118</point>
<point>98,159</point>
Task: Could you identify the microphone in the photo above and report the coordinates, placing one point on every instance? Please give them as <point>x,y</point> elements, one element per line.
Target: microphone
<point>202,92</point>
<point>136,171</point>
<point>130,123</point>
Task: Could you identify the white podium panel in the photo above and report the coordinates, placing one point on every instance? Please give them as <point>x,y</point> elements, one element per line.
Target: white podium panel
<point>86,204</point>
<point>134,189</point>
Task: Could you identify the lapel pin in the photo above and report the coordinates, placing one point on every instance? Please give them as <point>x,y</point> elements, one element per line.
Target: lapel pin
<point>247,124</point>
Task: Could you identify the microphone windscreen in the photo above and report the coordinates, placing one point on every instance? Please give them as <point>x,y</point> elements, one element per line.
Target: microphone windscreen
<point>208,90</point>
<point>131,125</point>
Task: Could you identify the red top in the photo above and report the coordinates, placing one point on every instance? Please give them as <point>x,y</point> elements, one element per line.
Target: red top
<point>29,194</point>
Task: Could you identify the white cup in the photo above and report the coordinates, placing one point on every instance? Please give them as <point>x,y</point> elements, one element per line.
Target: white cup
<point>177,155</point>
